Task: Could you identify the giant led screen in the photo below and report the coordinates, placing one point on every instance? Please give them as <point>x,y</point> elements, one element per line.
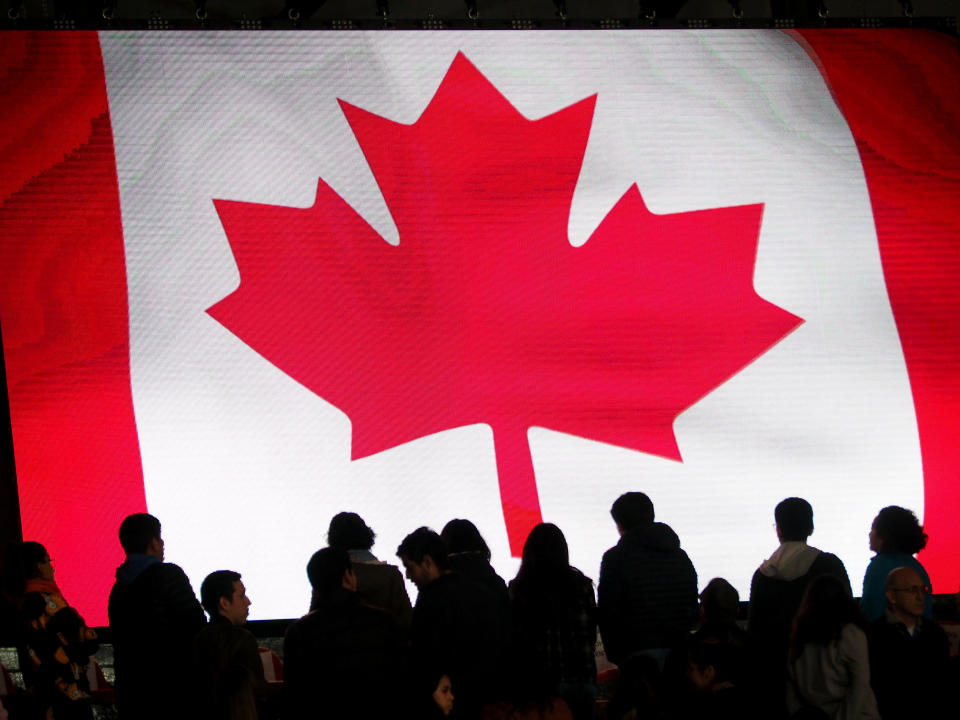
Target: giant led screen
<point>250,280</point>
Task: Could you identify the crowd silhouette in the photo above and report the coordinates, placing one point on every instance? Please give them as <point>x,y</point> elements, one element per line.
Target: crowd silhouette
<point>475,646</point>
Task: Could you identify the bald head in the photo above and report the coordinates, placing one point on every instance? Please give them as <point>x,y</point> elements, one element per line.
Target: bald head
<point>906,594</point>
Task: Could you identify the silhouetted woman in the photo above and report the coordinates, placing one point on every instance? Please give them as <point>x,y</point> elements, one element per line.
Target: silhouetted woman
<point>378,583</point>
<point>58,643</point>
<point>829,669</point>
<point>895,536</point>
<point>554,623</point>
<point>469,555</point>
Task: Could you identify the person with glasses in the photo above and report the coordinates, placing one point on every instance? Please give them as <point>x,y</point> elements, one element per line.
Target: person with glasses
<point>57,642</point>
<point>909,653</point>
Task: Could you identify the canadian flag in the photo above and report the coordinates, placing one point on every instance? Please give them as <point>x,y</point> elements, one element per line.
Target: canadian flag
<point>250,280</point>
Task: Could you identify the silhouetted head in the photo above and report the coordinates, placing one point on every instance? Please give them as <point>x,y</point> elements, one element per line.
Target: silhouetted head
<point>349,531</point>
<point>462,536</point>
<point>327,568</point>
<point>631,510</point>
<point>140,533</point>
<point>719,602</point>
<point>545,552</point>
<point>825,609</point>
<point>24,561</point>
<point>709,663</point>
<point>424,555</point>
<point>794,518</point>
<point>223,593</point>
<point>897,530</point>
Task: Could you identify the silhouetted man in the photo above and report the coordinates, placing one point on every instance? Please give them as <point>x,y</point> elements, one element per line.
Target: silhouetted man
<point>777,589</point>
<point>456,624</point>
<point>909,654</point>
<point>647,594</point>
<point>154,617</point>
<point>226,660</point>
<point>344,659</point>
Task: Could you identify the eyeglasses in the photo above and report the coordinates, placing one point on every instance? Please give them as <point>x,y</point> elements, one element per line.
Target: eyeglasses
<point>914,589</point>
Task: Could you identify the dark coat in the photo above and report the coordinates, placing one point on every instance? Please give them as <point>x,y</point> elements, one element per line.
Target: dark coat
<point>476,568</point>
<point>458,629</point>
<point>58,647</point>
<point>381,585</point>
<point>774,601</point>
<point>154,617</point>
<point>227,672</point>
<point>909,674</point>
<point>344,659</point>
<point>554,632</point>
<point>647,595</point>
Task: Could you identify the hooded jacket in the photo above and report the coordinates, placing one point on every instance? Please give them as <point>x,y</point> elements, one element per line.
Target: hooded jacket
<point>154,617</point>
<point>775,594</point>
<point>647,595</point>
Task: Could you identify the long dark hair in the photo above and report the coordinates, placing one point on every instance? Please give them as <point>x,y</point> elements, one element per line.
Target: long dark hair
<point>825,610</point>
<point>462,536</point>
<point>545,577</point>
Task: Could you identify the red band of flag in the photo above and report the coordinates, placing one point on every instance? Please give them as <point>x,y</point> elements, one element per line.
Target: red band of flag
<point>912,167</point>
<point>66,345</point>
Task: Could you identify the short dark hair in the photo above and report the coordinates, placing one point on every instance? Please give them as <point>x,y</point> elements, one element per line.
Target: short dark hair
<point>326,568</point>
<point>461,535</point>
<point>794,517</point>
<point>631,510</point>
<point>708,651</point>
<point>21,563</point>
<point>899,530</point>
<point>216,585</point>
<point>136,532</point>
<point>720,601</point>
<point>348,531</point>
<point>422,542</point>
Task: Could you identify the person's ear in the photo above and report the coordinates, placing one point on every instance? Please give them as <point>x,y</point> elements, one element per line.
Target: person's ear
<point>155,548</point>
<point>710,673</point>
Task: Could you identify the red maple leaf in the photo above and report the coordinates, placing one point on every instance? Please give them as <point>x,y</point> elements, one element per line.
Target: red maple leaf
<point>485,313</point>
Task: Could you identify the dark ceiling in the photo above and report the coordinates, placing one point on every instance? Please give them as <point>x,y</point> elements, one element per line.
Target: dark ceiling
<point>346,14</point>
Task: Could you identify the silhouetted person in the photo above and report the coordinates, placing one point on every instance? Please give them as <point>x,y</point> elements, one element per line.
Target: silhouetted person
<point>777,589</point>
<point>829,670</point>
<point>378,583</point>
<point>554,624</point>
<point>343,659</point>
<point>57,641</point>
<point>647,595</point>
<point>909,653</point>
<point>154,617</point>
<point>714,682</point>
<point>469,555</point>
<point>227,670</point>
<point>895,536</point>
<point>456,624</point>
<point>719,604</point>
